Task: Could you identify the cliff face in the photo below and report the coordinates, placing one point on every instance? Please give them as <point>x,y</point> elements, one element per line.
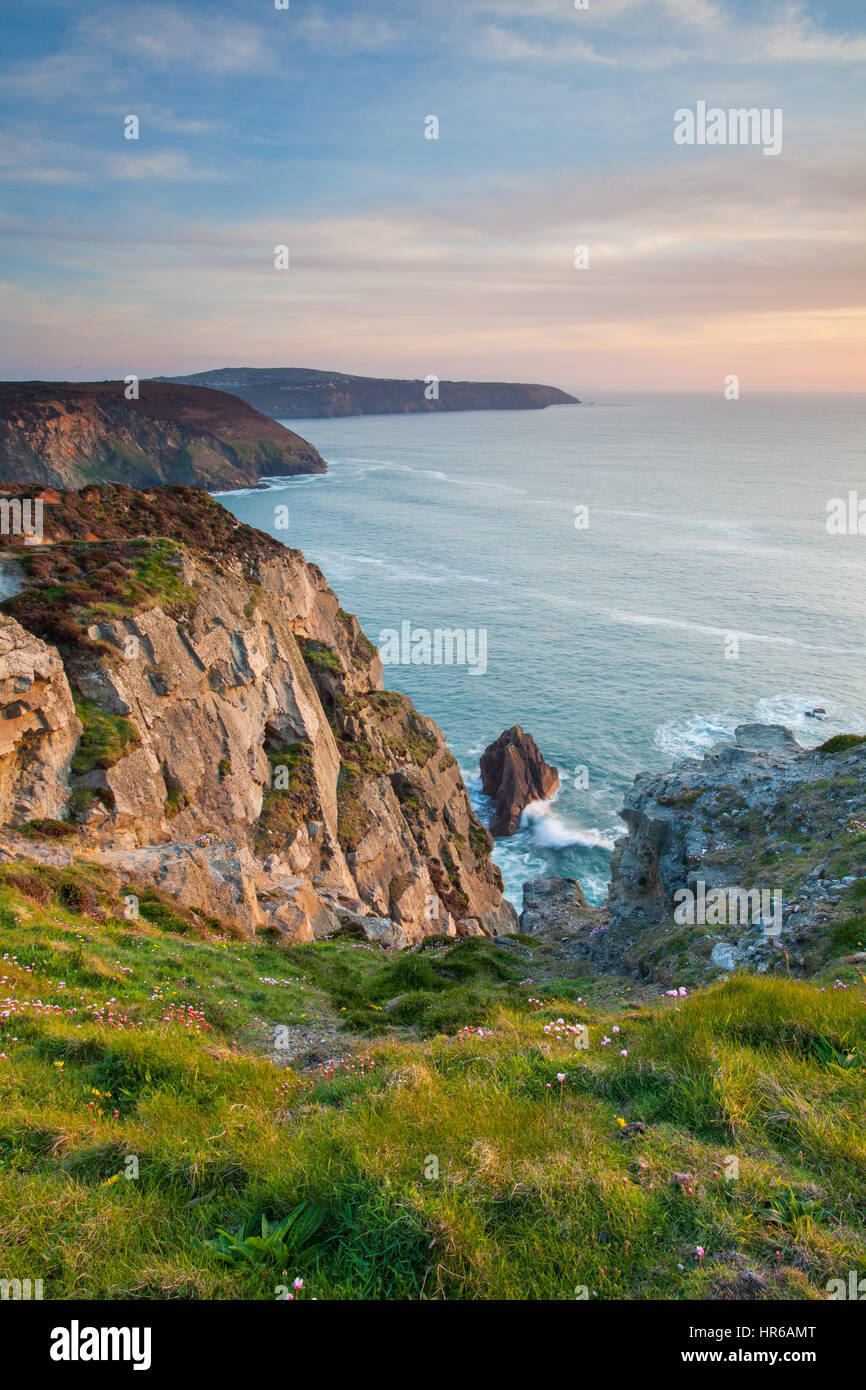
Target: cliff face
<point>237,747</point>
<point>514,775</point>
<point>749,858</point>
<point>296,393</point>
<point>39,728</point>
<point>67,434</point>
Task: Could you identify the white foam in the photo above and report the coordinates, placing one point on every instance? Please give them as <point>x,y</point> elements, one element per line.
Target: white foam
<point>551,832</point>
<point>790,709</point>
<point>691,738</point>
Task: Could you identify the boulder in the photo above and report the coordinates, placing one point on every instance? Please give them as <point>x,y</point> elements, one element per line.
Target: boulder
<point>550,903</point>
<point>514,774</point>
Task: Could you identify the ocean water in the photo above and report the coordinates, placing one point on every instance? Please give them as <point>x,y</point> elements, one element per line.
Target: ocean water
<point>612,643</point>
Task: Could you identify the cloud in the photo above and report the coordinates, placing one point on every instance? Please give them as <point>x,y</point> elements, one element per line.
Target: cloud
<point>655,34</point>
<point>339,33</point>
<point>25,159</point>
<point>169,164</point>
<point>165,37</point>
<point>498,44</point>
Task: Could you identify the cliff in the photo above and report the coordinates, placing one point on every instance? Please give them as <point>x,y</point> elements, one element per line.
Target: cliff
<point>296,393</point>
<point>751,857</point>
<point>68,434</point>
<point>231,741</point>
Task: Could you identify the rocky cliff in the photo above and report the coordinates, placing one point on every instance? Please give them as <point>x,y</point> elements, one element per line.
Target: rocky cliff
<point>297,393</point>
<point>185,701</point>
<point>67,434</point>
<point>752,857</point>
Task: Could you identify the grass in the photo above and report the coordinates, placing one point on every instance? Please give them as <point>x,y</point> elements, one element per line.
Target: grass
<point>105,738</point>
<point>290,800</point>
<point>841,743</point>
<point>142,1111</point>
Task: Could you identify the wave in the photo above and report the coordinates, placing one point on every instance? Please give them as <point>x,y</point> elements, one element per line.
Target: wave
<point>734,529</point>
<point>548,831</point>
<point>772,639</point>
<point>274,483</point>
<point>691,738</point>
<point>790,710</point>
<point>387,465</point>
<point>341,561</point>
<point>651,620</point>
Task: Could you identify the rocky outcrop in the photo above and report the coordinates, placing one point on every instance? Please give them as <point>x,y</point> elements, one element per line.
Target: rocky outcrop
<point>237,748</point>
<point>749,858</point>
<point>551,905</point>
<point>514,774</point>
<point>68,434</point>
<point>727,860</point>
<point>38,727</point>
<point>297,393</point>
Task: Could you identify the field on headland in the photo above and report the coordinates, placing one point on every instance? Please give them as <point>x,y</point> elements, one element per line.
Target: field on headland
<point>461,1146</point>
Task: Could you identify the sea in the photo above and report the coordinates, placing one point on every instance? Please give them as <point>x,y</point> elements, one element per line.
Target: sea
<point>641,573</point>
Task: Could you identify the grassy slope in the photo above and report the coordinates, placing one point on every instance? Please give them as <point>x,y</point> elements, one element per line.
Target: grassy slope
<point>538,1191</point>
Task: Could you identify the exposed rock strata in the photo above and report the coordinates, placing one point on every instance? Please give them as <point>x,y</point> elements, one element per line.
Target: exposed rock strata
<point>68,434</point>
<point>38,727</point>
<point>238,749</point>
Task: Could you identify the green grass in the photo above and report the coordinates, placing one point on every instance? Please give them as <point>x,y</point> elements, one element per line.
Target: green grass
<point>291,799</point>
<point>105,738</point>
<point>840,743</point>
<point>439,1164</point>
<point>45,828</point>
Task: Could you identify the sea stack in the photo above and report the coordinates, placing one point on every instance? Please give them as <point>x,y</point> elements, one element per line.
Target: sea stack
<point>514,774</point>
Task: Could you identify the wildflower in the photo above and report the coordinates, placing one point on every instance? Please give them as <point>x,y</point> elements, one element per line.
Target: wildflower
<point>699,1251</point>
<point>298,1284</point>
<point>605,1041</point>
<point>560,1076</point>
<point>615,1029</point>
<point>624,1052</point>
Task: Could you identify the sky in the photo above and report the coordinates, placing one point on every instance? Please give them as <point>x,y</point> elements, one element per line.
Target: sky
<point>308,127</point>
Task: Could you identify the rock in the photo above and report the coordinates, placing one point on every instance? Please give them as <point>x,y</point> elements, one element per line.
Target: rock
<point>711,825</point>
<point>383,932</point>
<point>501,920</point>
<point>38,727</point>
<point>550,903</point>
<point>723,956</point>
<point>514,774</point>
<point>765,737</point>
<point>556,909</point>
<point>632,1128</point>
<point>467,926</point>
